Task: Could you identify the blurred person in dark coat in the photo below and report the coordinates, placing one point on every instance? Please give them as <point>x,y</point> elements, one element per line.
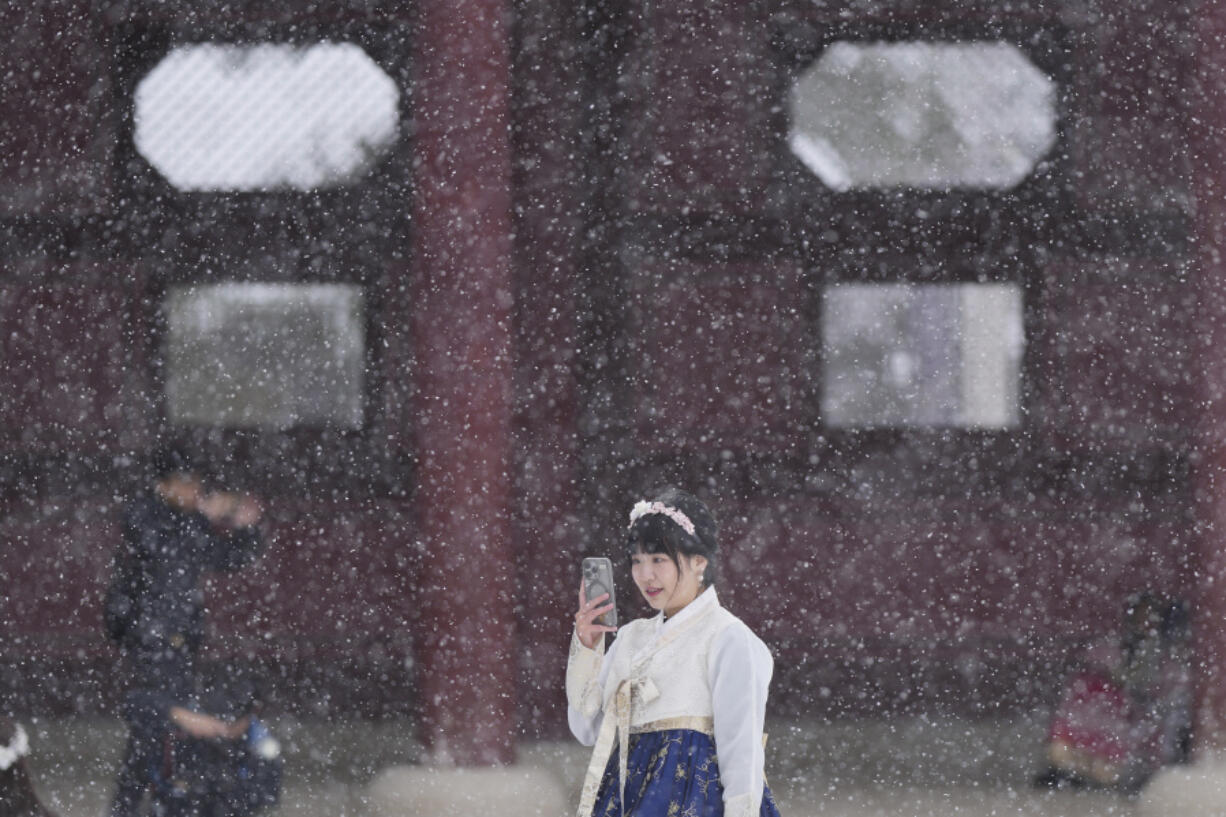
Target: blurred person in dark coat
<point>173,534</point>
<point>1126,711</point>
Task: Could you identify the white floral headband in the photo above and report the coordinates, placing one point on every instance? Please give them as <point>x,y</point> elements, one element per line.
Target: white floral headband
<point>16,749</point>
<point>643,508</point>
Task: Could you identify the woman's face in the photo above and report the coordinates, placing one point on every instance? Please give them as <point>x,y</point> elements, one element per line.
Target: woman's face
<point>666,586</point>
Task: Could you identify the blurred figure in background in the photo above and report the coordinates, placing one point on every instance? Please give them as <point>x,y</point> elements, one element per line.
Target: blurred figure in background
<point>1128,710</point>
<point>17,795</point>
<point>154,609</point>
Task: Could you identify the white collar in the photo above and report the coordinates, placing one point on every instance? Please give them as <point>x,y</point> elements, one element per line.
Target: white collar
<point>706,599</point>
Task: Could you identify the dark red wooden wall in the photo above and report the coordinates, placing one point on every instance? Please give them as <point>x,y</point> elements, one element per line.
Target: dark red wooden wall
<point>667,260</point>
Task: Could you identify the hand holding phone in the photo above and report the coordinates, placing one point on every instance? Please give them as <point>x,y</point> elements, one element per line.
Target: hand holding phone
<point>597,605</point>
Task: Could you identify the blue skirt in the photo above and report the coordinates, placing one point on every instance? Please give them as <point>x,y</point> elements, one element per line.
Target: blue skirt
<point>673,773</point>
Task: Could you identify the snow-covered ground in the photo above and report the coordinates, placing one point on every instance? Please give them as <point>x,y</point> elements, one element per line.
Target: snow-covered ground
<point>899,767</point>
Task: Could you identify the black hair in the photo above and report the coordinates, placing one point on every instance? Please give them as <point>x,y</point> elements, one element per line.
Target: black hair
<point>169,459</point>
<point>1149,613</point>
<point>659,533</point>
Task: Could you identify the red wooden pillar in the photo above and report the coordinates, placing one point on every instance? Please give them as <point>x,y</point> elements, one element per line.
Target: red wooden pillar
<point>462,336</point>
<point>1207,107</point>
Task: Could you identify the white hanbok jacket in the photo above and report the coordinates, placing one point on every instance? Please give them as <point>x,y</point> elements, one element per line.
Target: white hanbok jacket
<point>701,669</point>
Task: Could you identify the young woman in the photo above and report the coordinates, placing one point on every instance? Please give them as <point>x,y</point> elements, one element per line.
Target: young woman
<point>674,690</point>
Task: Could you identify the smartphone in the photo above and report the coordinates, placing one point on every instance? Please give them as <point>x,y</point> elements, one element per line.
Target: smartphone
<point>598,580</point>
